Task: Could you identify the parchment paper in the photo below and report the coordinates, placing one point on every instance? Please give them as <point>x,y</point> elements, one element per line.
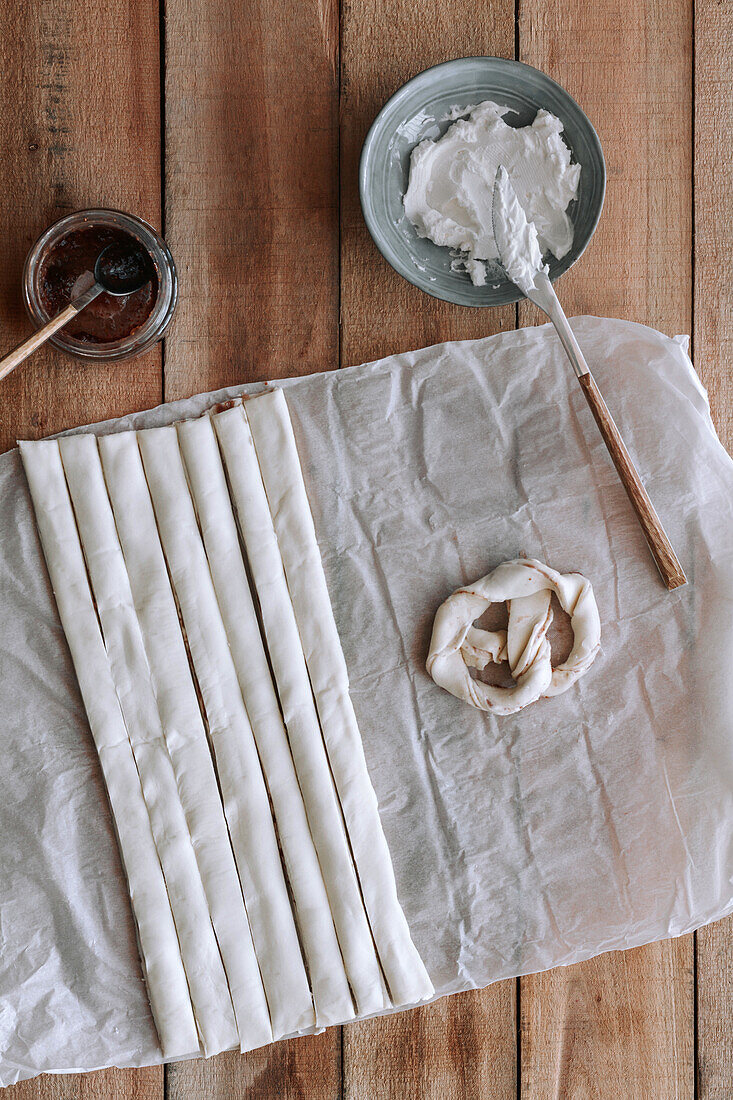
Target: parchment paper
<point>600,819</point>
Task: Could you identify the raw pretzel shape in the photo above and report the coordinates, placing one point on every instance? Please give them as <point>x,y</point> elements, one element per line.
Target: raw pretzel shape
<point>527,585</point>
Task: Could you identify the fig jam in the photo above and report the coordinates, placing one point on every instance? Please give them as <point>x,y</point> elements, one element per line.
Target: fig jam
<point>109,317</point>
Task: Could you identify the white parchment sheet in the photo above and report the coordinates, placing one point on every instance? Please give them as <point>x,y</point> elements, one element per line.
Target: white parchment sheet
<point>600,819</point>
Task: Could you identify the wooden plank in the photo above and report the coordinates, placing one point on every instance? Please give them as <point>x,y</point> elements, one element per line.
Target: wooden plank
<point>713,275</point>
<point>715,1011</point>
<point>621,1025</point>
<point>617,1026</point>
<point>289,1070</point>
<point>108,1084</point>
<point>639,264</point>
<point>251,171</point>
<point>465,1046</point>
<point>713,348</point>
<point>460,1048</point>
<point>251,175</point>
<point>82,129</point>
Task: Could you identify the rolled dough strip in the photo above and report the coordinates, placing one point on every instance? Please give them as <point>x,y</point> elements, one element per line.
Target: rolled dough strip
<point>212,1002</point>
<point>301,720</point>
<point>274,441</point>
<point>164,973</point>
<point>184,731</point>
<point>221,541</point>
<point>246,802</point>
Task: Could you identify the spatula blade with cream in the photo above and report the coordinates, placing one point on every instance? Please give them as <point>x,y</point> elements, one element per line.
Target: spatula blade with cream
<point>521,257</point>
<point>517,239</point>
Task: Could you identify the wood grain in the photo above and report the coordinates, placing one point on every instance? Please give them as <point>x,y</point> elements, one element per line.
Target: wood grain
<point>463,1046</point>
<point>252,198</point>
<point>108,1084</point>
<point>611,1026</point>
<point>713,352</point>
<point>713,178</point>
<point>81,129</point>
<point>715,1011</point>
<point>251,174</point>
<point>460,1048</point>
<point>298,1069</point>
<point>629,65</point>
<point>617,1026</point>
<point>660,547</point>
<point>251,216</point>
<point>16,357</point>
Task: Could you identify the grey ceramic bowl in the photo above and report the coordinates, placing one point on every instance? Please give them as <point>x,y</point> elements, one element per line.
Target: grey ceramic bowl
<point>414,113</point>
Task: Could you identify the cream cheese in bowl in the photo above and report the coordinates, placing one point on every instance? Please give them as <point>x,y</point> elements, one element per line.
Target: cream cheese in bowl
<point>427,107</point>
<point>449,198</point>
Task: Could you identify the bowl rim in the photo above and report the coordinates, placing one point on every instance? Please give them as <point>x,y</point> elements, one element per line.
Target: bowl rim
<point>366,206</point>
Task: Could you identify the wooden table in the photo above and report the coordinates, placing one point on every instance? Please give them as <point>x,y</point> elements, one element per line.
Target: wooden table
<point>236,125</point>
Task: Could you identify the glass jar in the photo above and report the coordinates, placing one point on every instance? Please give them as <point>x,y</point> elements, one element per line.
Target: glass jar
<point>152,328</point>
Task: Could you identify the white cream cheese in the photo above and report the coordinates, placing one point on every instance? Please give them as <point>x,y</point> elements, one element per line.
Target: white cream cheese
<point>516,238</point>
<point>450,194</point>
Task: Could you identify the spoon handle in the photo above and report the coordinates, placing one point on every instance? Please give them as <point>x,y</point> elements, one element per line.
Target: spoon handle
<point>17,355</point>
<point>661,548</point>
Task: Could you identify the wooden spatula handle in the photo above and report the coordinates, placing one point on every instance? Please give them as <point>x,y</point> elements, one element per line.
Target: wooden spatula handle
<point>660,546</point>
<point>15,357</point>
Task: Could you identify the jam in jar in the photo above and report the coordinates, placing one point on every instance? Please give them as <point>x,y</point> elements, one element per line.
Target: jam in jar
<point>60,266</point>
<point>68,268</point>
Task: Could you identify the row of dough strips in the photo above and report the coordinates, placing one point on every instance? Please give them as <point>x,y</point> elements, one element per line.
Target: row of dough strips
<point>261,883</point>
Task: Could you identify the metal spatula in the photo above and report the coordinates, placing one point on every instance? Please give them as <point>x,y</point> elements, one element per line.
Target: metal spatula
<point>516,239</point>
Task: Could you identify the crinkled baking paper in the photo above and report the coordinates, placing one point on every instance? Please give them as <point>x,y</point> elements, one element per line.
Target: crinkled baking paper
<point>600,819</point>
